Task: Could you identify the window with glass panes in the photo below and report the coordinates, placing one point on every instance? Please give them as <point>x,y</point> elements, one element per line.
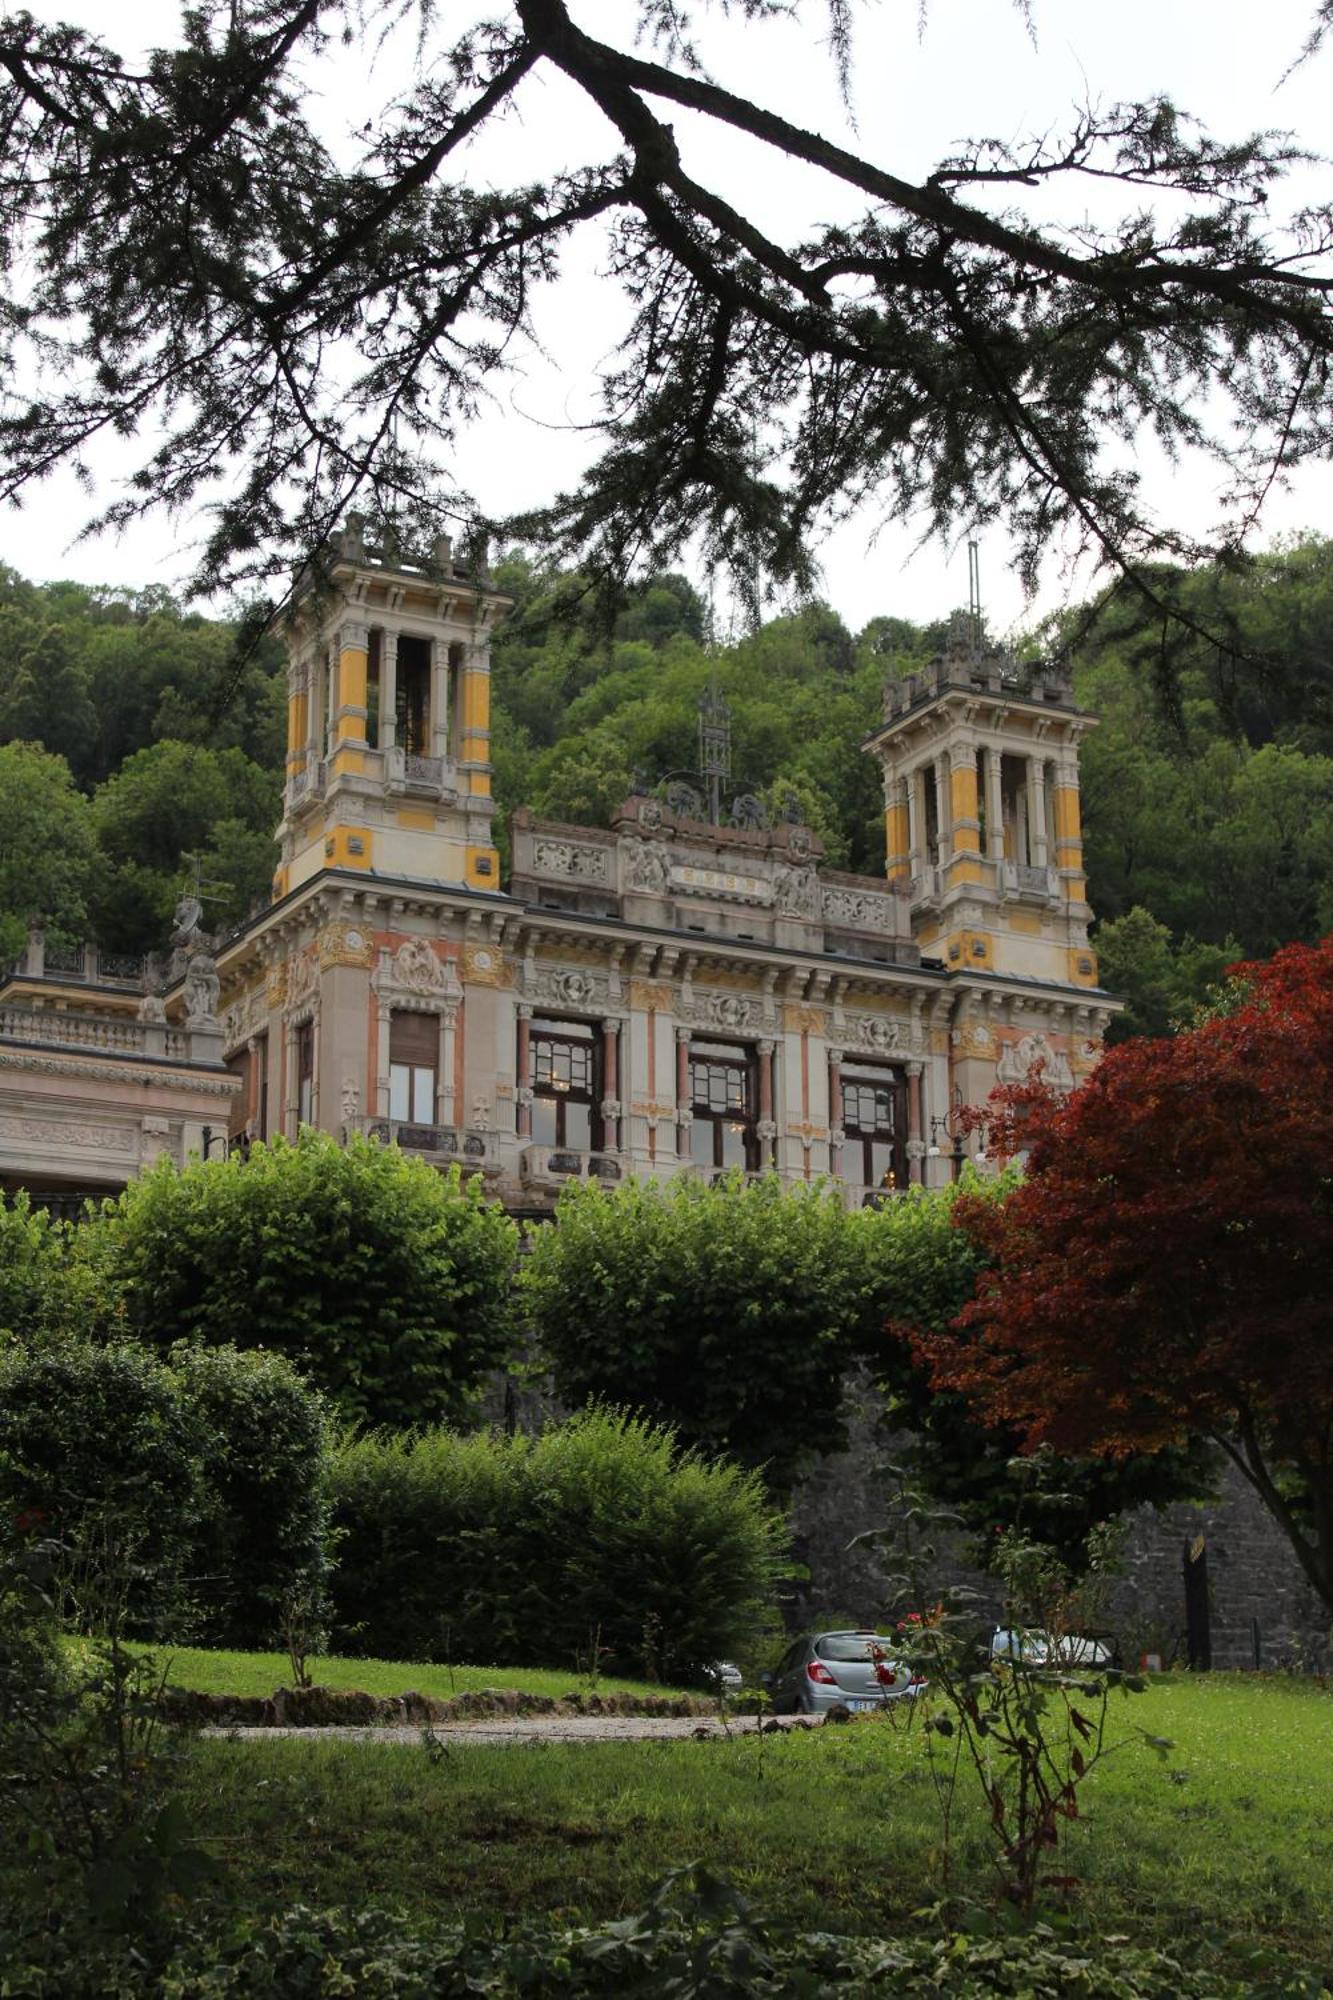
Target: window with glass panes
<point>564,1073</point>
<point>414,1054</point>
<point>722,1097</point>
<point>305,1073</point>
<point>874,1123</point>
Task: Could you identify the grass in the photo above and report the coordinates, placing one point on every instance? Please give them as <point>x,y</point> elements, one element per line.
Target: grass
<point>216,1672</point>
<point>1227,1845</point>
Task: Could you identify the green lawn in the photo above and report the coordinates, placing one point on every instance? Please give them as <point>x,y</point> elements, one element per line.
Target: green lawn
<point>1227,1846</point>
<point>215,1672</point>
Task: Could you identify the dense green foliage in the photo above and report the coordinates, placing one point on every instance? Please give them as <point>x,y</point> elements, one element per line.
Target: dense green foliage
<point>259,1547</point>
<point>597,1542</point>
<point>170,737</point>
<point>42,1289</point>
<point>385,1282</point>
<point>195,1486</point>
<point>46,848</point>
<point>692,1941</point>
<point>723,1310</point>
<point>737,1312</point>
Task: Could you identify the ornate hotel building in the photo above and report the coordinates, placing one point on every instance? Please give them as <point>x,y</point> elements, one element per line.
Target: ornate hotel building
<point>690,991</point>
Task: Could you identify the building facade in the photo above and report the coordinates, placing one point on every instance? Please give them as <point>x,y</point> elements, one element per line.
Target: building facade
<point>691,990</point>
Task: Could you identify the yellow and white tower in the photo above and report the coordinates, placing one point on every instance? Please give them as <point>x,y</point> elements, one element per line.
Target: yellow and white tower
<point>388,720</point>
<point>981,790</point>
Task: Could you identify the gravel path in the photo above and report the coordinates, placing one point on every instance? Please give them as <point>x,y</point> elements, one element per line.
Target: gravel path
<point>534,1729</point>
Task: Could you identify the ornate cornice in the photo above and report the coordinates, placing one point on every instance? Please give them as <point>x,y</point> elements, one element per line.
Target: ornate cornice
<point>104,1072</point>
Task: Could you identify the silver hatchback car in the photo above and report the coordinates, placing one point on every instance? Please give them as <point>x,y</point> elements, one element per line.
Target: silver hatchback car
<point>823,1670</point>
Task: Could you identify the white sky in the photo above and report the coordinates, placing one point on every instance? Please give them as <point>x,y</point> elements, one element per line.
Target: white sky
<point>974,71</point>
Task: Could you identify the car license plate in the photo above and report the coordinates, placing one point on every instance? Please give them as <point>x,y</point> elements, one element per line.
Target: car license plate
<point>852,1703</point>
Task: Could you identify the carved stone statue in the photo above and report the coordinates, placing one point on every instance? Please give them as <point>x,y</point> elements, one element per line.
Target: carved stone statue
<point>202,987</point>
<point>646,867</point>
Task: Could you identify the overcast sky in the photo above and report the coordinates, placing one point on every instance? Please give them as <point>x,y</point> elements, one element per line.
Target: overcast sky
<point>975,70</point>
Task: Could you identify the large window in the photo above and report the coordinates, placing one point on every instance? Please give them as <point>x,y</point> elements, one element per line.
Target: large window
<point>565,1074</point>
<point>722,1098</point>
<point>305,1073</point>
<point>874,1121</point>
<point>414,1052</point>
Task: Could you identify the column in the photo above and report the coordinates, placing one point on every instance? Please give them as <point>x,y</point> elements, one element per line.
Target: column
<point>943,809</point>
<point>611,1086</point>
<point>767,1127</point>
<point>683,1099</point>
<point>994,806</point>
<point>298,707</point>
<point>349,724</point>
<point>474,749</point>
<point>445,1109</point>
<point>1068,830</point>
<point>965,822</point>
<point>897,841</point>
<point>915,842</point>
<point>916,1144</point>
<point>388,690</point>
<point>835,1134</point>
<point>1037,812</point>
<point>439,698</point>
<point>382,1022</point>
<point>523,1073</point>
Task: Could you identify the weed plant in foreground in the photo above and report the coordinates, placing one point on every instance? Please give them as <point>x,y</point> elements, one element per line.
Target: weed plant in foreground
<point>1229,1844</point>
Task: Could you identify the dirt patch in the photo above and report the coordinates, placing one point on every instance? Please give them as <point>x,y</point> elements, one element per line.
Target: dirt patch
<point>604,1728</point>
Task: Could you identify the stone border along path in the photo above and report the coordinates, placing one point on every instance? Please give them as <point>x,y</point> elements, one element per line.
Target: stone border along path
<point>546,1729</point>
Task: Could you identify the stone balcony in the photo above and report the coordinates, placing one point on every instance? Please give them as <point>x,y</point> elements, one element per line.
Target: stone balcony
<point>95,1034</point>
<point>442,1145</point>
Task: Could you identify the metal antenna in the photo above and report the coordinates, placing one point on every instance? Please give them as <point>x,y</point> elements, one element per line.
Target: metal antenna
<point>714,745</point>
<point>975,622</point>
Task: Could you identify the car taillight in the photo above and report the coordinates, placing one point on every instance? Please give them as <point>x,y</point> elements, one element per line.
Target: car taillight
<point>817,1671</point>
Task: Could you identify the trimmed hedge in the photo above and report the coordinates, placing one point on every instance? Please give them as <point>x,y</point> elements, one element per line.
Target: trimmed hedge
<point>199,1480</point>
<point>597,1537</point>
<point>386,1283</point>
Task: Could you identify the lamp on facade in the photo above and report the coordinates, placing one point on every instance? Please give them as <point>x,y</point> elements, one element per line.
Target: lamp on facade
<point>951,1123</point>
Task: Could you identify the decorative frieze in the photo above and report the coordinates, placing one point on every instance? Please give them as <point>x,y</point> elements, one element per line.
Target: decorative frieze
<point>56,1132</point>
<point>345,944</point>
<point>571,989</point>
<point>574,860</point>
<point>861,910</point>
<point>648,996</point>
<point>1019,1059</point>
<point>485,965</point>
<point>799,1020</point>
<point>873,1034</point>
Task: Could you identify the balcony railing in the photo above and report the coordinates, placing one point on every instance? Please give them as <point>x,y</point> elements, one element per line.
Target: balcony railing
<point>1017,879</point>
<point>49,1027</point>
<point>567,1163</point>
<point>474,1151</point>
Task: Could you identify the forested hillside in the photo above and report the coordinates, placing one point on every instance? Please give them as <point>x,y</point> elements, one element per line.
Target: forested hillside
<point>1208,788</point>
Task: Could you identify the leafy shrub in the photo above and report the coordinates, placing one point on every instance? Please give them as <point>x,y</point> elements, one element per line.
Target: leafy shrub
<point>691,1942</point>
<point>598,1534</point>
<point>39,1288</point>
<point>385,1282</point>
<point>261,1435</point>
<point>196,1487</point>
<point>94,1440</point>
<point>724,1311</point>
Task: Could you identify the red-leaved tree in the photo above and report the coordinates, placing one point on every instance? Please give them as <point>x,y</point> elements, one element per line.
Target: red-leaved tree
<point>1166,1267</point>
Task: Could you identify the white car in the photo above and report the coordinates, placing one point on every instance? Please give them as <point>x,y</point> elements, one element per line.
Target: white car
<point>1035,1648</point>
